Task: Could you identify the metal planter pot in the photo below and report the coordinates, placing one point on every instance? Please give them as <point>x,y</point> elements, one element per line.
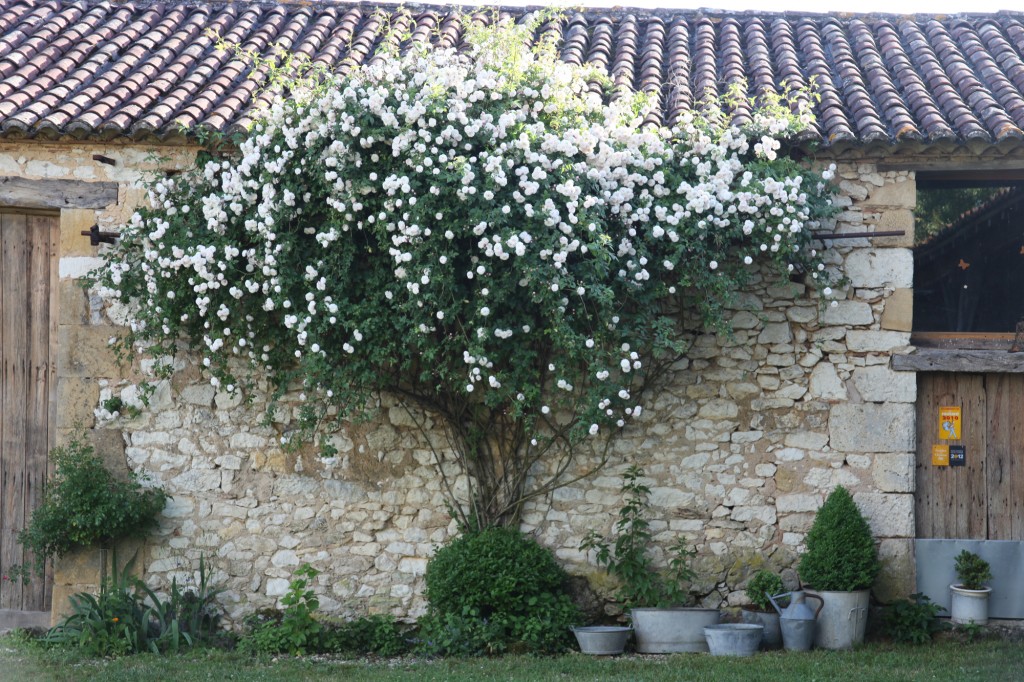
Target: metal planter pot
<point>734,639</point>
<point>602,640</point>
<point>770,621</point>
<point>843,619</point>
<point>669,631</point>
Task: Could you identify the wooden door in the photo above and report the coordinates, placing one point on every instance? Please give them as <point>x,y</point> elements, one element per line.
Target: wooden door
<point>28,369</point>
<point>983,499</point>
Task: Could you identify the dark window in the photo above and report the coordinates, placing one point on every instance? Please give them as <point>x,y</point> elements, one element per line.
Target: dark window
<point>969,253</point>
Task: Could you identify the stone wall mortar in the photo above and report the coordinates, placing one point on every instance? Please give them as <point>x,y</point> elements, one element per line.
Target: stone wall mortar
<point>741,445</point>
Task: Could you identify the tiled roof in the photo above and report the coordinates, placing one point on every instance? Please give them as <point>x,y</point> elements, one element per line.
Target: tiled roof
<point>143,69</point>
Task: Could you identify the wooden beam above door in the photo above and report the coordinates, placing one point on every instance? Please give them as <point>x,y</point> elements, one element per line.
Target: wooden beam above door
<point>26,193</point>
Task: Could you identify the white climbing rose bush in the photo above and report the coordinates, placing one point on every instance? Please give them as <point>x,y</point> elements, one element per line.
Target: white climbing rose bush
<point>481,236</point>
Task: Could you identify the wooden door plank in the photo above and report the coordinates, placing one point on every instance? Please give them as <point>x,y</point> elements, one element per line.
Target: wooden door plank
<point>14,353</point>
<point>925,496</point>
<point>53,276</point>
<point>1006,472</point>
<point>37,397</point>
<point>972,519</point>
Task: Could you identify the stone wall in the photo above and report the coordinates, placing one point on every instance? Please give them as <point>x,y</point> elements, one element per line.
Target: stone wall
<point>741,445</point>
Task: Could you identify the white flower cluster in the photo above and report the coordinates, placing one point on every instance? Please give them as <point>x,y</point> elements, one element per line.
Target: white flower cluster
<point>516,211</point>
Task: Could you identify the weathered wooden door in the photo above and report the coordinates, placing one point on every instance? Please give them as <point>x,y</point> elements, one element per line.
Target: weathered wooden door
<point>28,369</point>
<point>983,500</point>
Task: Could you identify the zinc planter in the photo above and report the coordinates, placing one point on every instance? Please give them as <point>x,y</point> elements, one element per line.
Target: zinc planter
<point>670,631</point>
<point>734,639</point>
<point>770,622</point>
<point>602,640</point>
<point>968,606</point>
<point>842,620</point>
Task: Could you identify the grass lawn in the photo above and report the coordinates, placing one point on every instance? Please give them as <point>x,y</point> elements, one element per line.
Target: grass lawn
<point>989,661</point>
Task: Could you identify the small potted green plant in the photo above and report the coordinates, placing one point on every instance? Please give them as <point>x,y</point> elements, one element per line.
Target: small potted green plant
<point>760,610</point>
<point>656,600</point>
<point>840,564</point>
<point>969,597</point>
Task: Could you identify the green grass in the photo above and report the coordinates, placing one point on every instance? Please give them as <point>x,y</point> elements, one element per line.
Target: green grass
<point>989,661</point>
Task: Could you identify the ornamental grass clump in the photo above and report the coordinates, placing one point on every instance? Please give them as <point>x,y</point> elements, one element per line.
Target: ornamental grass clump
<point>484,238</point>
<point>841,554</point>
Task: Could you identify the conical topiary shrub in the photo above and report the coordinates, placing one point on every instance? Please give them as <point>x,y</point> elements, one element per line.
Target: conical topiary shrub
<point>841,554</point>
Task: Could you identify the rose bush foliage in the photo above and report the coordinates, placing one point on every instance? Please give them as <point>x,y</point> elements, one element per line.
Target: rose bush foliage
<point>483,236</point>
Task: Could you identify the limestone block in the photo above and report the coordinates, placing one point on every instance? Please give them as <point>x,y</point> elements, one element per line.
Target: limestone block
<point>85,351</point>
<point>776,332</point>
<point>284,558</point>
<point>868,341</point>
<point>719,409</point>
<point>790,455</point>
<point>825,383</point>
<point>872,427</point>
<point>802,314</point>
<point>898,314</point>
<point>72,222</point>
<point>78,399</point>
<point>179,506</point>
<point>902,194</point>
<point>808,440</point>
<point>889,515</point>
<point>878,383</point>
<point>874,268</point>
<point>892,220</point>
<point>277,587</point>
<point>894,472</point>
<point>671,498</point>
<point>764,513</point>
<point>898,577</point>
<point>74,304</point>
<point>848,313</point>
<point>198,394</point>
<point>800,502</point>
<point>196,480</point>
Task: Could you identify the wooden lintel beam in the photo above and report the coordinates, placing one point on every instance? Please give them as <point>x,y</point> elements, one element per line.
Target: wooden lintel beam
<point>50,194</point>
<point>948,360</point>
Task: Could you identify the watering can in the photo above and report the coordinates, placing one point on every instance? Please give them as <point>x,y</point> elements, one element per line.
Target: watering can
<point>797,620</point>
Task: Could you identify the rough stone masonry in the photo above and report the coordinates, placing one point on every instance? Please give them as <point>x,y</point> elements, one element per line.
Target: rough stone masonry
<point>741,444</point>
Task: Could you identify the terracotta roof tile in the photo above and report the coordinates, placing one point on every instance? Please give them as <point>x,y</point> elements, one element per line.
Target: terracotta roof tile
<point>142,69</point>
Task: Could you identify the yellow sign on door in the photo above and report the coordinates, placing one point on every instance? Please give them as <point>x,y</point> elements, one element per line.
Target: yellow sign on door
<point>950,419</point>
<point>940,455</point>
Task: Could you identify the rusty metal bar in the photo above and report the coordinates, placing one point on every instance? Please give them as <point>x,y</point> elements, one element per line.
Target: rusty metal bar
<point>97,237</point>
<point>857,235</point>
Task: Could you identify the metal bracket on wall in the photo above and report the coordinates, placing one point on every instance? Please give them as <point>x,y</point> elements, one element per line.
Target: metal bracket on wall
<point>96,237</point>
<point>856,235</point>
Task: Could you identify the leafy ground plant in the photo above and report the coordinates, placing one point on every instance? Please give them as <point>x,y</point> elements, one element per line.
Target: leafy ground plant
<point>127,617</point>
<point>629,559</point>
<point>913,620</point>
<point>764,584</point>
<point>294,630</point>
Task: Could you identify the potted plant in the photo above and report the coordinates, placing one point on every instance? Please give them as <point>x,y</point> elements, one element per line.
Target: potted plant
<point>760,611</point>
<point>969,597</point>
<point>655,600</point>
<point>840,564</point>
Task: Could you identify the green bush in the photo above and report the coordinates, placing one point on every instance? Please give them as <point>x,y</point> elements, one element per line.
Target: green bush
<point>84,504</point>
<point>760,587</point>
<point>972,571</point>
<point>912,621</point>
<point>129,618</point>
<point>492,591</point>
<point>841,554</point>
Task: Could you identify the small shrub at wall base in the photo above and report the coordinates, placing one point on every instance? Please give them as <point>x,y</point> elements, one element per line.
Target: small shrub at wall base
<point>84,505</point>
<point>493,591</point>
<point>911,621</point>
<point>841,554</point>
<point>760,587</point>
<point>292,631</point>
<point>972,571</point>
